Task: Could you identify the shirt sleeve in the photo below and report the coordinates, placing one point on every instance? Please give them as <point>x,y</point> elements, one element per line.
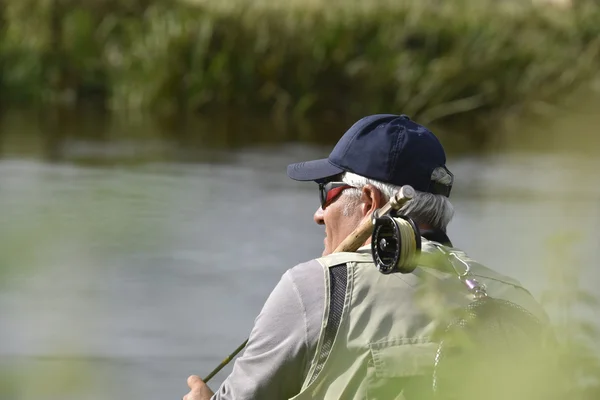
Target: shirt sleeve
<point>274,363</point>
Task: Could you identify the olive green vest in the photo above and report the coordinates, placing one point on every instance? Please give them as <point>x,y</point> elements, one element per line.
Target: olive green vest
<point>384,348</point>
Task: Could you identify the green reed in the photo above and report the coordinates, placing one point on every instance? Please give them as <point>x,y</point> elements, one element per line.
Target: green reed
<point>473,61</point>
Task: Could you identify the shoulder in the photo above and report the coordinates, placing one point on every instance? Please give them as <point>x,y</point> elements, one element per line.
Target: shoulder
<point>308,282</point>
<point>314,272</point>
<point>497,285</point>
<point>309,270</point>
<point>308,285</point>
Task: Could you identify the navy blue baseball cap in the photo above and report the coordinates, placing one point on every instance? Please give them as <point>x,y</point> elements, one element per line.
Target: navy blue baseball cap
<point>386,147</point>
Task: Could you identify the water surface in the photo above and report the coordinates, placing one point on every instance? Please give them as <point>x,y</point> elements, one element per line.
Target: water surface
<point>131,262</point>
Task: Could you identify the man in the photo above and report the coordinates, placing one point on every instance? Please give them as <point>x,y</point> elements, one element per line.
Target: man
<point>336,327</point>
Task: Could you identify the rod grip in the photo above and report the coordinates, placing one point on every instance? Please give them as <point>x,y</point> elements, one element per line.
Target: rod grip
<point>360,235</point>
<point>357,238</point>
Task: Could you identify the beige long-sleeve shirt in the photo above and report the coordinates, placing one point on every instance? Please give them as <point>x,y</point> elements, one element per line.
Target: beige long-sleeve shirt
<point>283,339</point>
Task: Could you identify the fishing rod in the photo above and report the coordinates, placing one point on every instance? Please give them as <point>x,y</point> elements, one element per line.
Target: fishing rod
<point>226,361</point>
<point>390,235</point>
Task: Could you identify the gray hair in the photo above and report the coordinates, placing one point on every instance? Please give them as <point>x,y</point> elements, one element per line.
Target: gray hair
<point>425,208</point>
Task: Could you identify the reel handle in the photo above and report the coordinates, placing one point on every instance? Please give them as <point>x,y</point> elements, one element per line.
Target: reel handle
<point>360,235</point>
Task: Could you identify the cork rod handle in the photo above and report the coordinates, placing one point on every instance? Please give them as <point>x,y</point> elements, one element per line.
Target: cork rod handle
<point>360,235</point>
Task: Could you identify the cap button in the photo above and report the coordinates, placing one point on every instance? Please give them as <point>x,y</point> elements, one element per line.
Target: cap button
<point>404,116</point>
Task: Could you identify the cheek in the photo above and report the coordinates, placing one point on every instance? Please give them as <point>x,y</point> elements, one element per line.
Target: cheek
<point>334,220</point>
<point>329,225</point>
<point>347,224</point>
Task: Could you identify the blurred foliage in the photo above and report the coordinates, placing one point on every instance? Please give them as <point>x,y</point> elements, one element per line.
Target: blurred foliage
<point>570,305</point>
<point>495,360</point>
<point>468,60</point>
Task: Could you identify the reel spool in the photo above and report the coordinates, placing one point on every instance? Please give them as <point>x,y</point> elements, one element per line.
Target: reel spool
<point>395,244</point>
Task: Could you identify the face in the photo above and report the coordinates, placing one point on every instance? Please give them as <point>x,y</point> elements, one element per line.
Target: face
<point>338,224</point>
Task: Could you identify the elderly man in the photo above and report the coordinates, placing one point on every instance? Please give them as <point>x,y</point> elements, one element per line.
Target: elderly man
<point>335,327</point>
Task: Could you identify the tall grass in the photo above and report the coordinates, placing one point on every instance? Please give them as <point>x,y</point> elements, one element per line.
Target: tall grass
<point>470,60</point>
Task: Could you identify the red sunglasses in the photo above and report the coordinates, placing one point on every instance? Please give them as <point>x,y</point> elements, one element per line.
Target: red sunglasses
<point>329,191</point>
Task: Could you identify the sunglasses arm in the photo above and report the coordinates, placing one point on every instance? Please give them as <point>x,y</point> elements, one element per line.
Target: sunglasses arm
<point>360,235</point>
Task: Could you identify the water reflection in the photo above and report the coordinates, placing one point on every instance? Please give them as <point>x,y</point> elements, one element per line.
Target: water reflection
<point>90,137</point>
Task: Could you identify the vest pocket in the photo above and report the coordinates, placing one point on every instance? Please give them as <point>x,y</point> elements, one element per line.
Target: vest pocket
<point>401,369</point>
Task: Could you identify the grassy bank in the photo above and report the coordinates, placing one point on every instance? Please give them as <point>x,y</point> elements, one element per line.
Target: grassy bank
<point>465,61</point>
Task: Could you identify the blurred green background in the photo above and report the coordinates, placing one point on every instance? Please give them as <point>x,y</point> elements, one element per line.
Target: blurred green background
<point>143,143</point>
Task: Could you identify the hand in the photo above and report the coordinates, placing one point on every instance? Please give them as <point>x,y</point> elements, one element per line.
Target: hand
<point>199,389</point>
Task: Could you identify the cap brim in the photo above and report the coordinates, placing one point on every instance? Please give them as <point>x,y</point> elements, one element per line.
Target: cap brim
<point>315,170</point>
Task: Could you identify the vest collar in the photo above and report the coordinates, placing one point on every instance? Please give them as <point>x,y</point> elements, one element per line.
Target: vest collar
<point>436,235</point>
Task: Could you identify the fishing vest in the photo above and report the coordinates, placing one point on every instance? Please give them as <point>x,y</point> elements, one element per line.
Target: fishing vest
<point>376,339</point>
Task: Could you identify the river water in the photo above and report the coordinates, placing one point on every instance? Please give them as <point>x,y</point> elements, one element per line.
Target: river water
<point>129,263</point>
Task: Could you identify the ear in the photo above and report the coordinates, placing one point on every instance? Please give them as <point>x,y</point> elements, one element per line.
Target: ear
<point>371,199</point>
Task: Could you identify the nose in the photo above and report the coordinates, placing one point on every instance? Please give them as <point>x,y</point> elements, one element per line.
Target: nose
<point>318,217</point>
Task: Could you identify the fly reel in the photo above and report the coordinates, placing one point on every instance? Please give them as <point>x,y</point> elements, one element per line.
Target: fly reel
<point>395,244</point>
